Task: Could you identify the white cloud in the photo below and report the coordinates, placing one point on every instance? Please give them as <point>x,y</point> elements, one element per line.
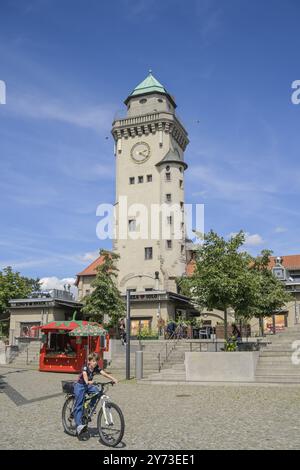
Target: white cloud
<point>280,230</point>
<point>41,107</point>
<point>87,257</point>
<point>250,240</point>
<point>253,240</point>
<point>56,283</point>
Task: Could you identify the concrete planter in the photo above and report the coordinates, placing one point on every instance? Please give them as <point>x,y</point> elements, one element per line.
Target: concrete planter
<point>2,353</point>
<point>221,366</point>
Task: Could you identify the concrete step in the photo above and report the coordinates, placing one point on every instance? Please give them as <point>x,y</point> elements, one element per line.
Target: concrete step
<point>167,378</point>
<point>178,366</point>
<point>277,370</point>
<point>277,379</point>
<point>275,354</point>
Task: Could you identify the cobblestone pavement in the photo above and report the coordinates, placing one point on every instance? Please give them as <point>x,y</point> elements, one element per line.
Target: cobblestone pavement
<point>156,416</point>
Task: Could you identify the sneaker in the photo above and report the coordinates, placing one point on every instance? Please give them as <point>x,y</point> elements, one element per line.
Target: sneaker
<point>80,429</point>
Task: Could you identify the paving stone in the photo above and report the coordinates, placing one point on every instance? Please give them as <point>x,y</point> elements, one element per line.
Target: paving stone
<point>156,416</point>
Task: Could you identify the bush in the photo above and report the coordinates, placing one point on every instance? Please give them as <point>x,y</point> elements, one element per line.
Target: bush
<point>147,333</point>
<point>231,344</point>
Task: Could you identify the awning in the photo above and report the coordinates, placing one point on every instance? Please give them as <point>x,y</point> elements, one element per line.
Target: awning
<point>61,325</point>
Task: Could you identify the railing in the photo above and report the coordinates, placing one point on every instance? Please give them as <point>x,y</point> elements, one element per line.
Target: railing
<point>201,343</point>
<point>175,337</point>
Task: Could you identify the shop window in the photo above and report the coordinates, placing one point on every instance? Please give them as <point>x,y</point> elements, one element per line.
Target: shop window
<point>27,331</point>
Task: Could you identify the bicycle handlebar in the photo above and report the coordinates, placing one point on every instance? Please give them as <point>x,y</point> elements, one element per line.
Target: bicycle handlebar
<point>105,383</point>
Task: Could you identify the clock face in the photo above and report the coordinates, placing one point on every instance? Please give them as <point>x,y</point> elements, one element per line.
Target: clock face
<point>140,152</point>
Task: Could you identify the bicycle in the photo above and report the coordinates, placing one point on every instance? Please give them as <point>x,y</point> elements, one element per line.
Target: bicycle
<point>110,420</point>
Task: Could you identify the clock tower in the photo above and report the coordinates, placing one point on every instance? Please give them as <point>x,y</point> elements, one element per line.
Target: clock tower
<point>149,151</point>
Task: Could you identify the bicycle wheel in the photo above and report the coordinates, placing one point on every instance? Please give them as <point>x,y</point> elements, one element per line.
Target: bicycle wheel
<point>68,417</point>
<point>112,431</point>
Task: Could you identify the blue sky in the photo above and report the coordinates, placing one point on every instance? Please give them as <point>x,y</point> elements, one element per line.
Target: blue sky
<point>69,64</point>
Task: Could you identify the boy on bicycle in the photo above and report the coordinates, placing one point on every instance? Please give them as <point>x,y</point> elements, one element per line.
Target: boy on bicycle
<point>85,385</point>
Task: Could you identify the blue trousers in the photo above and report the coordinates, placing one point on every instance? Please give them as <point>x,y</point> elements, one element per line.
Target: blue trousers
<point>80,390</point>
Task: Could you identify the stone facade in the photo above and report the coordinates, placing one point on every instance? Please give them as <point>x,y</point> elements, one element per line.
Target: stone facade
<point>152,126</point>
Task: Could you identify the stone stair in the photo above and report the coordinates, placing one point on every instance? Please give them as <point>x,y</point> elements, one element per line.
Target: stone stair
<point>174,369</point>
<point>151,349</point>
<point>275,361</point>
<point>28,357</point>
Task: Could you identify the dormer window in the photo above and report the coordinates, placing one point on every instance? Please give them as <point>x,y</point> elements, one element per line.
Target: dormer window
<point>143,101</point>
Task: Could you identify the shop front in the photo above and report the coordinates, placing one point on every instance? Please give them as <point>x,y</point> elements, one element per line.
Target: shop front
<point>63,351</point>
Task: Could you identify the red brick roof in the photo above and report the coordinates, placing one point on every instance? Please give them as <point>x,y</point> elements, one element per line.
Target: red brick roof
<point>90,270</point>
<point>289,261</point>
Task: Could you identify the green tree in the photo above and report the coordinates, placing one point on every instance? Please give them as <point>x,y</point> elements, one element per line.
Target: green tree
<point>13,286</point>
<point>221,279</point>
<point>105,298</point>
<point>271,295</point>
<point>225,276</point>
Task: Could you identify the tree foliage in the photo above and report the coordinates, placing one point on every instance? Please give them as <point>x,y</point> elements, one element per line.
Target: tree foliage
<point>105,297</point>
<point>225,277</point>
<point>14,286</point>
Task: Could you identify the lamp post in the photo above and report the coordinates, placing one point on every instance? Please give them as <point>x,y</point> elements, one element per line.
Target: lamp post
<point>128,326</point>
<point>128,320</point>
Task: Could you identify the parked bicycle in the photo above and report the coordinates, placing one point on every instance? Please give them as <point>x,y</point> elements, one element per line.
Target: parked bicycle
<point>110,420</point>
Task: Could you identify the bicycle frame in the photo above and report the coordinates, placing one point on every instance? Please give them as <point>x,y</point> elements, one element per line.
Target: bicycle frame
<point>103,399</point>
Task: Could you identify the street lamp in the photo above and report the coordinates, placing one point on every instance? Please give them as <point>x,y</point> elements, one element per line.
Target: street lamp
<point>128,320</point>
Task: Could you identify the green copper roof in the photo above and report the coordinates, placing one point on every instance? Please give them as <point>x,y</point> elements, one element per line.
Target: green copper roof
<point>172,157</point>
<point>149,85</point>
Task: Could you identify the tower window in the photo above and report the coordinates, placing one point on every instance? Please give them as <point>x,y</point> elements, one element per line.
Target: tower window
<point>167,168</point>
<point>169,219</point>
<point>168,197</point>
<point>181,205</point>
<point>131,180</point>
<point>148,253</point>
<point>149,178</point>
<point>168,176</point>
<point>141,179</point>
<point>182,248</point>
<point>180,183</point>
<point>160,100</point>
<point>143,101</point>
<point>180,169</point>
<point>169,244</point>
<point>132,225</point>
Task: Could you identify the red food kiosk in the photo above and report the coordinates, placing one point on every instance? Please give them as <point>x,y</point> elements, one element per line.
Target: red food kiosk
<point>62,352</point>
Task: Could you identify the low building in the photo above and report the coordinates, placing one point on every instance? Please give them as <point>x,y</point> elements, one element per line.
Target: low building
<point>39,309</point>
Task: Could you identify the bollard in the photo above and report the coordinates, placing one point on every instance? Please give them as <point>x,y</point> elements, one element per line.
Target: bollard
<point>139,365</point>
